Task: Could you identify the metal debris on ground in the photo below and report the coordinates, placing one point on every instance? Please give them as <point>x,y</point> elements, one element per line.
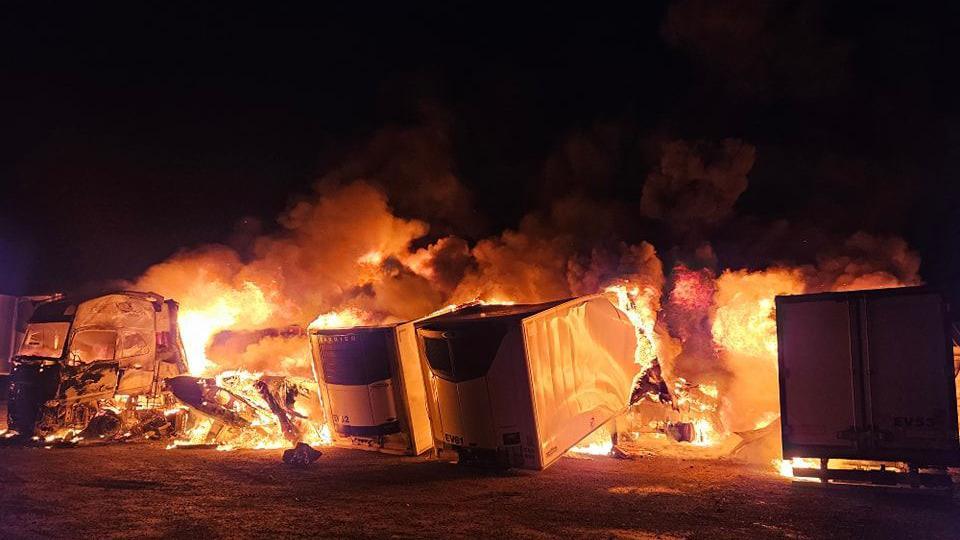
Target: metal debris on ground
<point>301,455</point>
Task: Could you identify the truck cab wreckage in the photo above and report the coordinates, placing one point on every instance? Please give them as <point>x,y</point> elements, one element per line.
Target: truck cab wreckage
<point>113,367</point>
<point>93,369</point>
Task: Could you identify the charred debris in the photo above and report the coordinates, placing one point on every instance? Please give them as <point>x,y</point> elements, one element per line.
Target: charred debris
<point>112,368</point>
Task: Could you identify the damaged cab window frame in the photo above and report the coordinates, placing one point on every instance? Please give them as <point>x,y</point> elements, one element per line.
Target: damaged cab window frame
<point>61,333</point>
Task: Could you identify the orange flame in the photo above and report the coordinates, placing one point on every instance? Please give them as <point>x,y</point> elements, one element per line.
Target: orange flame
<point>264,431</point>
<point>346,318</point>
<point>202,317</point>
<point>640,305</point>
<point>785,466</point>
<point>597,443</point>
<point>744,322</point>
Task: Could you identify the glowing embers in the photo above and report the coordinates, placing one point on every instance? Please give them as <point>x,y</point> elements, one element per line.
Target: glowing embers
<point>698,405</point>
<point>785,466</point>
<point>865,473</point>
<point>598,443</point>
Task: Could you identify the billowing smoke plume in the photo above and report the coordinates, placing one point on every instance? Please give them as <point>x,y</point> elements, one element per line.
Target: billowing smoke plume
<point>696,185</point>
<point>414,164</point>
<point>721,325</point>
<point>866,261</point>
<point>331,252</point>
<point>346,250</point>
<point>342,249</point>
<point>570,251</point>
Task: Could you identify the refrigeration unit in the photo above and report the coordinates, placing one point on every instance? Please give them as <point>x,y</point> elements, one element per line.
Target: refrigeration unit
<point>371,384</point>
<point>868,375</point>
<point>519,385</point>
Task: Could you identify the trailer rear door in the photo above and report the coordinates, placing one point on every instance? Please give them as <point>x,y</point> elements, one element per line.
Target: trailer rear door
<point>909,369</point>
<point>867,375</point>
<point>816,373</point>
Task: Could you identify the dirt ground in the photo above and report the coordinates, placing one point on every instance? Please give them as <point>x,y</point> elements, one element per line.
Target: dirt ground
<point>142,490</point>
<point>138,490</point>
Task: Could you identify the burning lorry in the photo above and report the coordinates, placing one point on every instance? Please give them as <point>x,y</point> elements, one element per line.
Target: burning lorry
<point>94,368</point>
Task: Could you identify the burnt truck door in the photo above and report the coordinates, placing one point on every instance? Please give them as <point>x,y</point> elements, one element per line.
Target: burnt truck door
<point>136,357</point>
<point>35,375</point>
<point>149,348</point>
<point>113,346</point>
<point>169,358</point>
<point>90,370</point>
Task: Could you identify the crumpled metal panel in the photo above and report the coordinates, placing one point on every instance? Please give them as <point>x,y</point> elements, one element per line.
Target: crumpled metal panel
<point>88,382</point>
<point>580,357</point>
<point>116,311</point>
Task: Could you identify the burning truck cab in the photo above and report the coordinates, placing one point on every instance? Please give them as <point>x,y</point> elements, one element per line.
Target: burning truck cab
<point>95,364</point>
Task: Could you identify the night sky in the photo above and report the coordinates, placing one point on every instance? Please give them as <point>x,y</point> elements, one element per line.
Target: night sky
<point>129,132</point>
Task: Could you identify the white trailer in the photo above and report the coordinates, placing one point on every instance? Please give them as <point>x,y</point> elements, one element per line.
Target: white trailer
<point>371,384</point>
<point>519,385</point>
<point>867,375</point>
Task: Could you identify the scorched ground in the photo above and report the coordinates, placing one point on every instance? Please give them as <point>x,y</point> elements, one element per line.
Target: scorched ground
<point>140,490</point>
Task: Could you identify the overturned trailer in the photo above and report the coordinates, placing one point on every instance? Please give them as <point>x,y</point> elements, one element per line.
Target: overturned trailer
<point>519,385</point>
<point>101,358</point>
<point>868,375</point>
<point>372,387</point>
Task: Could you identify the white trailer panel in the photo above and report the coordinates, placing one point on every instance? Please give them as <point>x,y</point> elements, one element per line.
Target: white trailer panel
<point>520,385</point>
<point>372,386</point>
<point>868,375</point>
